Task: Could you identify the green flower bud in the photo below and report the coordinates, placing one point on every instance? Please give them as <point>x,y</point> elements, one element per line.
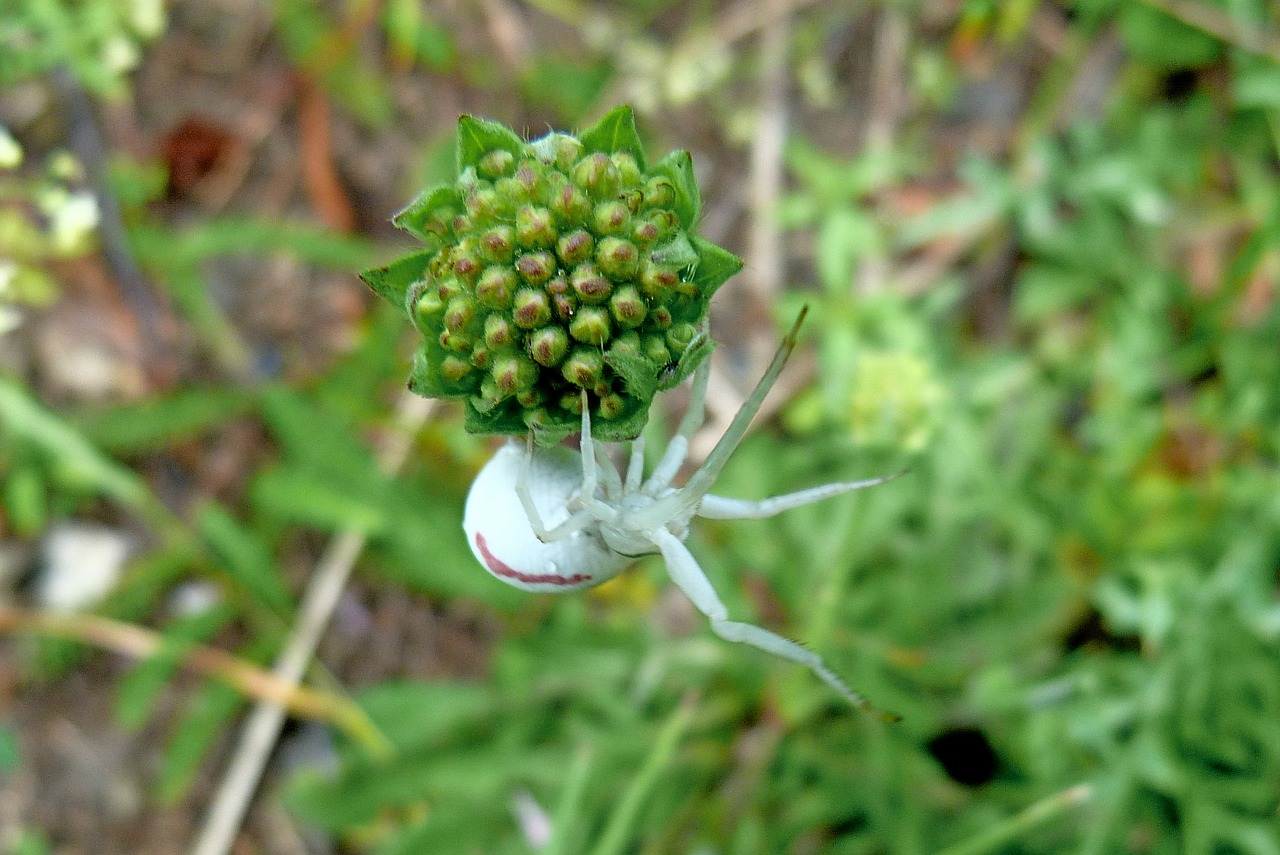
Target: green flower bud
<point>467,266</point>
<point>496,163</point>
<point>597,174</point>
<point>583,368</point>
<point>590,325</point>
<point>618,258</point>
<point>628,168</point>
<point>427,305</point>
<point>535,227</point>
<point>536,267</point>
<point>659,192</point>
<point>646,232</point>
<point>498,244</point>
<point>611,406</point>
<point>530,180</point>
<point>627,307</point>
<point>680,336</point>
<point>541,257</point>
<point>453,368</point>
<point>513,373</point>
<point>495,287</point>
<point>459,312</point>
<point>483,204</point>
<point>457,342</point>
<point>657,281</point>
<point>498,331</point>
<point>627,342</point>
<point>570,204</point>
<point>611,218</point>
<point>654,346</point>
<point>571,402</point>
<point>575,247</point>
<point>590,284</point>
<point>531,309</point>
<point>548,346</point>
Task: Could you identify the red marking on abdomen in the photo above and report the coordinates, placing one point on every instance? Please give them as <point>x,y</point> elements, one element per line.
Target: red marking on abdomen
<point>497,568</point>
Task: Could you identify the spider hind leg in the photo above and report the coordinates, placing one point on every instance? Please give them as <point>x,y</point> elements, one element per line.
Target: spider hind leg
<point>690,578</point>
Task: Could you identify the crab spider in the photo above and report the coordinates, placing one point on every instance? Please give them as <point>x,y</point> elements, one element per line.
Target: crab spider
<point>556,520</point>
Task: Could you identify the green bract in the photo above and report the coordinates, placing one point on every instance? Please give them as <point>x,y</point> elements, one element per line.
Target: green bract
<point>556,266</point>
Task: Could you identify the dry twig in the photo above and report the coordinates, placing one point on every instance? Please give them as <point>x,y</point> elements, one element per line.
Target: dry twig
<point>262,729</point>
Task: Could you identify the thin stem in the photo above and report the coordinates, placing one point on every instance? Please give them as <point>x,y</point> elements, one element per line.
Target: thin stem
<point>139,643</point>
<point>1021,822</point>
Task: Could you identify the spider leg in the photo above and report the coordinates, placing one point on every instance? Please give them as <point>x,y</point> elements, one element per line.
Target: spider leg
<point>608,472</point>
<point>721,508</point>
<point>575,522</point>
<point>590,476</point>
<point>635,466</point>
<point>689,577</point>
<point>688,497</point>
<point>673,457</point>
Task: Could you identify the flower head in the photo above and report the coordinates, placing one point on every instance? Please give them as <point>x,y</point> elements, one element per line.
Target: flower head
<point>553,267</point>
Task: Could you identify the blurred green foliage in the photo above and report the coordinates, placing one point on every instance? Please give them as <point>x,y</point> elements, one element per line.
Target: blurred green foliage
<point>1073,585</point>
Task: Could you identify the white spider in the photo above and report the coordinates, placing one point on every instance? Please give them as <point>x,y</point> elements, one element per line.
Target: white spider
<point>556,520</point>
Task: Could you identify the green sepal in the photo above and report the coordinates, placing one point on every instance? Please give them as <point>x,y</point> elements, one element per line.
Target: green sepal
<point>425,378</point>
<point>414,215</point>
<point>699,349</point>
<point>615,132</point>
<point>639,373</point>
<point>623,429</point>
<point>392,282</point>
<point>678,166</point>
<point>715,265</point>
<point>478,137</point>
<point>507,420</point>
<point>678,252</point>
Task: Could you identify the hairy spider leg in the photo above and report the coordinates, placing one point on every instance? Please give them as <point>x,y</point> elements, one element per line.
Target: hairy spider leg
<point>577,521</point>
<point>673,458</point>
<point>689,577</point>
<point>687,497</point>
<point>721,508</point>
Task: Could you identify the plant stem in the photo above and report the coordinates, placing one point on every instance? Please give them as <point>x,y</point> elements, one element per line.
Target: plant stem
<point>1024,820</point>
<point>140,643</point>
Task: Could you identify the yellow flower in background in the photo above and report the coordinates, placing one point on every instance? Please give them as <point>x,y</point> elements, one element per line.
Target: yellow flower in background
<point>895,401</point>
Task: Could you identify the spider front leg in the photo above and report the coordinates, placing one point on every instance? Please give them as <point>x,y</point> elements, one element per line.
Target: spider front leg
<point>576,521</point>
<point>721,508</point>
<point>673,458</point>
<point>689,577</point>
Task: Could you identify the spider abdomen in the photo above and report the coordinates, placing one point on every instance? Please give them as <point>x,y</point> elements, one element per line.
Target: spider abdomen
<point>503,540</point>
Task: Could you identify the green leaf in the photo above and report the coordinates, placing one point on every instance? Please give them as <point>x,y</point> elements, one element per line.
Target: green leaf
<point>392,282</point>
<point>78,463</point>
<point>678,166</point>
<point>413,217</point>
<point>205,720</point>
<point>136,701</point>
<point>163,422</point>
<point>699,349</point>
<point>244,558</point>
<point>10,756</point>
<point>302,497</point>
<point>715,265</point>
<point>639,373</point>
<point>478,137</point>
<point>615,132</point>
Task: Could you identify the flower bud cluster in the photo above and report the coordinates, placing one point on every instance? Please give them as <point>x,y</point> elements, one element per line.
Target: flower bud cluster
<point>556,268</point>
